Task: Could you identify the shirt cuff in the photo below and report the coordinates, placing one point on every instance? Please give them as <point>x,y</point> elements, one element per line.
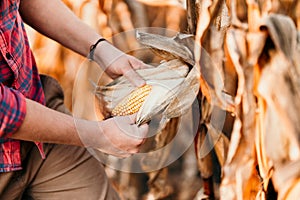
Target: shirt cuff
<point>12,110</point>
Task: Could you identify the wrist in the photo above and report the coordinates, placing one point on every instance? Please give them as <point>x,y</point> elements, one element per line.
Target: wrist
<point>93,48</point>
<point>88,131</point>
<point>105,54</point>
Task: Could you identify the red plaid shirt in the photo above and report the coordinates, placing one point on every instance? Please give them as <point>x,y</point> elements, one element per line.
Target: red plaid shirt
<point>19,79</point>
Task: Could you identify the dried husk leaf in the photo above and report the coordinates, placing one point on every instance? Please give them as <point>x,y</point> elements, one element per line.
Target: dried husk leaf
<point>158,184</point>
<point>174,89</point>
<point>162,94</point>
<point>203,149</point>
<point>167,47</point>
<point>209,54</point>
<point>277,120</point>
<point>115,91</point>
<point>283,126</point>
<point>241,180</point>
<point>174,85</point>
<point>279,87</point>
<point>286,178</point>
<point>220,143</point>
<point>163,2</point>
<point>191,82</point>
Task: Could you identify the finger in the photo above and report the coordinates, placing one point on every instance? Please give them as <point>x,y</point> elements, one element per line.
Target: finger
<point>140,132</point>
<point>138,64</point>
<point>127,126</point>
<point>134,78</point>
<point>117,152</point>
<point>132,118</point>
<point>128,119</point>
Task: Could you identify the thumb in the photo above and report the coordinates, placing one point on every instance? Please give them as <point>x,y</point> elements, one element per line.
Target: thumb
<point>143,131</point>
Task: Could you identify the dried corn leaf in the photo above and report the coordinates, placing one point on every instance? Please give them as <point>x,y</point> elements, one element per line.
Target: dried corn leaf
<point>209,54</point>
<point>163,2</point>
<point>191,82</point>
<point>281,69</point>
<point>240,179</point>
<point>277,84</point>
<point>284,127</point>
<point>220,143</point>
<point>279,87</point>
<point>203,149</point>
<point>286,178</point>
<point>167,47</point>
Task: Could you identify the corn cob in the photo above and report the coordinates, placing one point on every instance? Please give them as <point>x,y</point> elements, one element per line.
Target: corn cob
<point>133,102</point>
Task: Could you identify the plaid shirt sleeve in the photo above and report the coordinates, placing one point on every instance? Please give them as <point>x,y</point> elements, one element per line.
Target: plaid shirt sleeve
<point>19,79</point>
<point>12,110</point>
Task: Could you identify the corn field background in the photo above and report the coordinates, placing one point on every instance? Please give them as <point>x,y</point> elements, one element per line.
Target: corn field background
<point>252,49</point>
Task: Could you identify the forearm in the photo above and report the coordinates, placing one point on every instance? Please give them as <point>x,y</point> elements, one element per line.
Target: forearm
<point>55,20</point>
<point>42,124</point>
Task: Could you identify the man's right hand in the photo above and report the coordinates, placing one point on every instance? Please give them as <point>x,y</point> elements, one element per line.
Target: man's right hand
<point>118,136</point>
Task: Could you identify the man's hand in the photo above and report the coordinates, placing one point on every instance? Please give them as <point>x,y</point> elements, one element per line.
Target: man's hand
<point>118,136</point>
<point>116,63</point>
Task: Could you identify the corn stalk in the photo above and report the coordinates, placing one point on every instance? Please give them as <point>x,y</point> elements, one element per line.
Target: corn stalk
<point>246,55</point>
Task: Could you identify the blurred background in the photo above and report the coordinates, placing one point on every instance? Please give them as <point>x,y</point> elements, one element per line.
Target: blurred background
<point>184,179</point>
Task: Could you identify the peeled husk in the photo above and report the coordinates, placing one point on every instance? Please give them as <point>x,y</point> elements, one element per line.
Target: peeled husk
<point>174,88</point>
<point>175,83</point>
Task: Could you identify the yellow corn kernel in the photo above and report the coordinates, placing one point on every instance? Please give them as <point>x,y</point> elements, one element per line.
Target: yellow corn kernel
<point>133,102</point>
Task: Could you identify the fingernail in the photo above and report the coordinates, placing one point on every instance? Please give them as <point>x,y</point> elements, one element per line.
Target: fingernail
<point>139,82</point>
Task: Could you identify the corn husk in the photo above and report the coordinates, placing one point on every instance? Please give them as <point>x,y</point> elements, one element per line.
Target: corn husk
<point>174,89</point>
<point>178,46</point>
<point>174,84</point>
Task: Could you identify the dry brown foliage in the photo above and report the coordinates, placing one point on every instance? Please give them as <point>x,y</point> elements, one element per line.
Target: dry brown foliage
<point>255,55</point>
<point>250,63</point>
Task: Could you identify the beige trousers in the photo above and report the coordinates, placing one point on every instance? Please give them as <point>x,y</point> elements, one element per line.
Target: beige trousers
<point>68,172</point>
